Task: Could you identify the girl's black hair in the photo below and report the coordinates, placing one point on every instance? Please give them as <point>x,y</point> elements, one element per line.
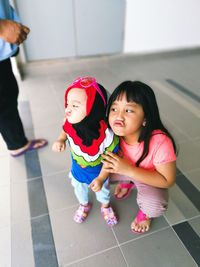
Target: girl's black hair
<point>142,94</point>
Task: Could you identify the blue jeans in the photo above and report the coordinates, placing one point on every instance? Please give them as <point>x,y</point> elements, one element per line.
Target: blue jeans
<point>82,191</point>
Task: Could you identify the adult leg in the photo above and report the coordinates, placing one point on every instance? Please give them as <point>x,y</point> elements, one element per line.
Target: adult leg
<point>11,126</point>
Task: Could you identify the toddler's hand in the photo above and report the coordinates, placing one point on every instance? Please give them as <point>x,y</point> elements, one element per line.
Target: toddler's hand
<point>59,146</point>
<point>96,185</point>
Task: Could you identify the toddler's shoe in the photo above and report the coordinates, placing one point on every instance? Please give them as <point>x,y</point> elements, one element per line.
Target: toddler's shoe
<point>109,216</point>
<point>81,213</point>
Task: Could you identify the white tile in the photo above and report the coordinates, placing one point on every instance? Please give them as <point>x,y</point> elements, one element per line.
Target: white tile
<point>5,206</point>
<point>5,246</point>
<point>19,202</point>
<point>3,147</point>
<point>22,249</point>
<point>4,170</point>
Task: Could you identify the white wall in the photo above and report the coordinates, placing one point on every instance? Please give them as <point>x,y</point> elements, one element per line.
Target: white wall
<point>161,25</point>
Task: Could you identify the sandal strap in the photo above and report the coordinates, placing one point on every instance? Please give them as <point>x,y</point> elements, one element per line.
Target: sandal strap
<point>141,216</point>
<point>126,185</point>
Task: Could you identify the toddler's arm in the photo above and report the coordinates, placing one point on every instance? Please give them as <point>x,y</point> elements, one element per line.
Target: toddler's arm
<point>97,183</point>
<point>60,145</point>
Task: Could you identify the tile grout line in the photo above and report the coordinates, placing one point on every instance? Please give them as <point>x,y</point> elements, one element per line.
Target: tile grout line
<point>120,248</point>
<point>90,256</point>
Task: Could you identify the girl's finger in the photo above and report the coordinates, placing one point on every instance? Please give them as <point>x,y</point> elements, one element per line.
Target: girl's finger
<point>106,163</point>
<point>112,155</point>
<point>108,159</point>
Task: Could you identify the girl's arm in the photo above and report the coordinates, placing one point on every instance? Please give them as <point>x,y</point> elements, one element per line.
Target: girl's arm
<point>59,145</point>
<point>164,176</point>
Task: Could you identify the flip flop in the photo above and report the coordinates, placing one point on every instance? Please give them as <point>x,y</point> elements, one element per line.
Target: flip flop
<point>128,186</point>
<point>31,147</point>
<point>140,217</point>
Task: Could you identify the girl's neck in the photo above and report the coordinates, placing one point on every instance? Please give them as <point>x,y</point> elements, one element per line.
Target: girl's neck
<point>131,139</point>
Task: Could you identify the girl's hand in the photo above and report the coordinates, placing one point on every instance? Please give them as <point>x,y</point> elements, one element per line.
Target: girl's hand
<point>112,163</point>
<point>96,185</point>
<point>59,146</point>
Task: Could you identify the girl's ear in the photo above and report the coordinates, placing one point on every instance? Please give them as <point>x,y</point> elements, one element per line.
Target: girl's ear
<point>144,123</point>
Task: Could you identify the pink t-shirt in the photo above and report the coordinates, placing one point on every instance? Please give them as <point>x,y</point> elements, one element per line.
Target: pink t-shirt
<point>161,151</point>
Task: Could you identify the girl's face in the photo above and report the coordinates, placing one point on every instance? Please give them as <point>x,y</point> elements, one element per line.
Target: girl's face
<point>126,118</point>
<point>76,105</point>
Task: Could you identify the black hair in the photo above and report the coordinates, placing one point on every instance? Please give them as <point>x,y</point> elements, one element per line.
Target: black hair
<point>143,95</point>
<point>88,128</point>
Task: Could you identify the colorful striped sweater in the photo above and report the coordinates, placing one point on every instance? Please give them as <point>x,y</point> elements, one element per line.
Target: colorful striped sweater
<point>86,161</point>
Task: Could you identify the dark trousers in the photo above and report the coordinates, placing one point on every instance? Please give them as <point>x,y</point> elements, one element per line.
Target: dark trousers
<point>11,127</point>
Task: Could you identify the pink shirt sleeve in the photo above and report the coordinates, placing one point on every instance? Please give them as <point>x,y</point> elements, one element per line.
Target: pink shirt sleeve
<point>164,152</point>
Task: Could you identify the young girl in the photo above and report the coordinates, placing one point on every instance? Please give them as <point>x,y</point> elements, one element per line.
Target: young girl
<point>89,137</point>
<point>147,151</point>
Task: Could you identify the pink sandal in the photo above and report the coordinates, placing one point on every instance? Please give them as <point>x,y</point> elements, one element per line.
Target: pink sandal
<point>109,216</point>
<point>128,186</point>
<point>140,217</point>
<point>81,213</point>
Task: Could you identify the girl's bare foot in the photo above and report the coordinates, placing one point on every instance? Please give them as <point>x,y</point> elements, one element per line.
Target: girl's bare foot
<point>120,192</point>
<point>142,226</point>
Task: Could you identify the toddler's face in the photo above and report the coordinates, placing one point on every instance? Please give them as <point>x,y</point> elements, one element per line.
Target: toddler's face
<point>76,105</point>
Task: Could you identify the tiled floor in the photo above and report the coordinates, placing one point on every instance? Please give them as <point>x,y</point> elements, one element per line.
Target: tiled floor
<point>37,201</point>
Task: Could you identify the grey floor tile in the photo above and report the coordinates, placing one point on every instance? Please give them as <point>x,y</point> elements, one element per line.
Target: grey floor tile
<point>19,202</point>
<point>37,198</point>
<point>3,148</point>
<point>195,223</point>
<point>173,214</point>
<point>189,239</point>
<point>182,204</point>
<point>189,155</point>
<point>5,170</point>
<point>21,244</point>
<point>52,162</point>
<point>193,177</point>
<point>43,242</point>
<point>159,249</point>
<point>18,170</point>
<point>5,246</point>
<point>33,169</point>
<point>110,258</point>
<point>178,135</point>
<point>178,114</point>
<point>43,116</point>
<point>76,241</point>
<point>5,203</point>
<point>59,191</point>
